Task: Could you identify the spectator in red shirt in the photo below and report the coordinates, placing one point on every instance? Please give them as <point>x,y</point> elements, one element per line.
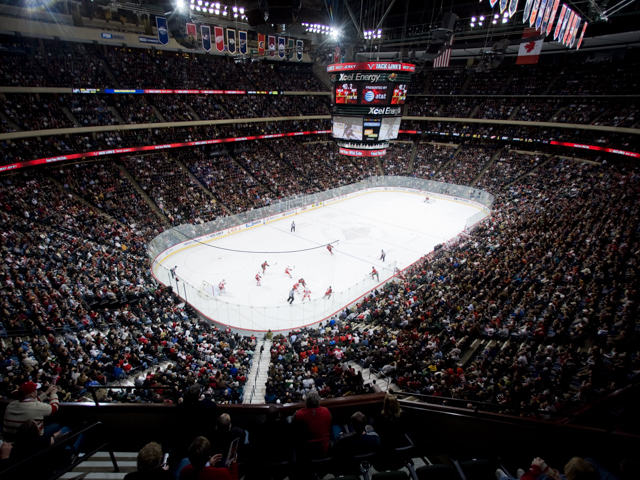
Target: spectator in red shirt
<point>313,426</point>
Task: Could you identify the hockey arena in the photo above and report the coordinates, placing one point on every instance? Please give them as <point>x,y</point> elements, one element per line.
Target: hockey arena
<point>359,228</point>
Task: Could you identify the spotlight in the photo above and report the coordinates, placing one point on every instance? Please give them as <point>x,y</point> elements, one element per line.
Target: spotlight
<point>473,19</point>
<point>506,14</point>
<point>480,23</point>
<point>505,20</point>
<point>495,22</point>
<point>481,18</point>
<point>496,16</point>
<point>235,9</point>
<point>241,10</point>
<point>472,24</point>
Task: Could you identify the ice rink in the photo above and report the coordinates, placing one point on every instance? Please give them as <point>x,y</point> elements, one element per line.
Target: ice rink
<point>400,223</point>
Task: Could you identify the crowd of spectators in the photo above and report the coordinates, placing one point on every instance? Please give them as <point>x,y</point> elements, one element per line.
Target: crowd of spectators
<point>173,191</point>
<point>507,167</point>
<point>207,107</point>
<point>538,110</point>
<point>396,160</point>
<point>425,106</point>
<point>466,165</point>
<point>136,109</point>
<point>35,113</point>
<point>324,167</point>
<point>581,111</point>
<point>89,110</point>
<point>459,107</point>
<point>18,70</point>
<point>496,109</point>
<point>174,109</point>
<point>70,64</point>
<point>430,158</point>
<point>446,82</point>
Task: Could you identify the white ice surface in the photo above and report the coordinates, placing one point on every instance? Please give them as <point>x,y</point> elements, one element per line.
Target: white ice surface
<point>400,223</point>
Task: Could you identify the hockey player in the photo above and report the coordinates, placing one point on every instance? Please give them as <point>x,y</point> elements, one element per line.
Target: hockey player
<point>374,273</point>
<point>330,248</point>
<point>258,277</point>
<point>288,272</point>
<point>383,256</point>
<point>295,287</point>
<point>426,200</point>
<point>328,293</point>
<point>291,293</point>
<point>264,267</point>
<point>221,286</point>
<point>307,294</point>
<point>301,282</point>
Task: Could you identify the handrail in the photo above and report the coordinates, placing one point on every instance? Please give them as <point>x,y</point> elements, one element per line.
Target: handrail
<point>17,470</point>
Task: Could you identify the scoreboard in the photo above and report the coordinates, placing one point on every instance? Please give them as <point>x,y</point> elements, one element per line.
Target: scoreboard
<point>367,103</point>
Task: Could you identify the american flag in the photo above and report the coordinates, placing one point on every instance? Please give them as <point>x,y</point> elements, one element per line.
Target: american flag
<point>443,59</point>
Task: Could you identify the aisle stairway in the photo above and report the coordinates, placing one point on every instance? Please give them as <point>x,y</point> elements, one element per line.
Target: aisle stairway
<point>258,375</point>
<point>100,467</point>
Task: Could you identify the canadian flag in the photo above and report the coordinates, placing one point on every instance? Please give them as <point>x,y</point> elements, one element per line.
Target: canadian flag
<point>529,52</point>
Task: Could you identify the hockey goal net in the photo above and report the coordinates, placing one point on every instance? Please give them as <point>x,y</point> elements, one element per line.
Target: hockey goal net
<point>210,289</point>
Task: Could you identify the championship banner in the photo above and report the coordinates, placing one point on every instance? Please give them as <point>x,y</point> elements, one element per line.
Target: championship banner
<point>163,31</point>
<point>300,49</point>
<point>571,31</point>
<point>545,17</point>
<point>219,33</point>
<point>513,7</point>
<point>492,3</point>
<point>527,11</point>
<point>582,35</point>
<point>205,33</point>
<point>192,32</point>
<point>534,13</point>
<point>260,44</point>
<point>242,37</point>
<point>290,49</point>
<point>503,5</point>
<point>281,47</point>
<point>272,46</point>
<point>554,10</point>
<point>543,8</point>
<point>563,12</point>
<point>231,41</point>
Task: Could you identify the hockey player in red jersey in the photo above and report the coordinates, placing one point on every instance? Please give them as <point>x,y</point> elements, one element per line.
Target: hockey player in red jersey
<point>295,287</point>
<point>264,267</point>
<point>374,273</point>
<point>301,282</point>
<point>221,286</point>
<point>258,277</point>
<point>307,294</point>
<point>288,272</point>
<point>330,248</point>
<point>328,293</point>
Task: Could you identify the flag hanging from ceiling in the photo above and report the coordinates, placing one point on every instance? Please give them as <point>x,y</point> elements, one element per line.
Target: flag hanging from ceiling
<point>272,46</point>
<point>581,36</point>
<point>566,25</point>
<point>291,48</point>
<point>529,52</point>
<point>545,16</point>
<point>219,34</point>
<point>563,12</point>
<point>534,13</point>
<point>527,11</point>
<point>543,8</point>
<point>192,32</point>
<point>336,54</point>
<point>491,2</point>
<point>260,44</point>
<point>299,49</point>
<point>442,60</point>
<point>503,5</point>
<point>242,38</point>
<point>513,7</point>
<point>205,33</point>
<point>574,32</point>
<point>163,31</point>
<point>281,44</point>
<point>231,41</point>
<point>570,29</point>
<point>554,10</point>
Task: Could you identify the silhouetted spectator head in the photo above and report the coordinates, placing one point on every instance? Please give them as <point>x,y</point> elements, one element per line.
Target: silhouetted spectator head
<point>199,453</point>
<point>359,422</point>
<point>313,400</point>
<point>579,469</point>
<point>150,457</point>
<point>223,424</point>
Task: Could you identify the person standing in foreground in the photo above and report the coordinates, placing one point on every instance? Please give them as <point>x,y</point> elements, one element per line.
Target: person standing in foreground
<point>31,407</point>
<point>313,425</point>
<point>293,226</point>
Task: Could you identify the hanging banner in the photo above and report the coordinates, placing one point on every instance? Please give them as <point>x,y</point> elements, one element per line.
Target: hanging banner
<point>513,7</point>
<point>563,12</point>
<point>534,13</point>
<point>192,32</point>
<point>260,44</point>
<point>281,44</point>
<point>527,11</point>
<point>581,36</point>
<point>272,46</point>
<point>491,2</point>
<point>242,38</point>
<point>543,8</point>
<point>574,32</point>
<point>231,41</point>
<point>554,10</point>
<point>299,49</point>
<point>219,33</point>
<point>503,5</point>
<point>570,29</point>
<point>163,31</point>
<point>205,33</point>
<point>566,24</point>
<point>290,49</point>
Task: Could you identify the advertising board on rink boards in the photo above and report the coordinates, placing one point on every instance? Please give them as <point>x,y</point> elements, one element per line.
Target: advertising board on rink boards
<point>289,213</point>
